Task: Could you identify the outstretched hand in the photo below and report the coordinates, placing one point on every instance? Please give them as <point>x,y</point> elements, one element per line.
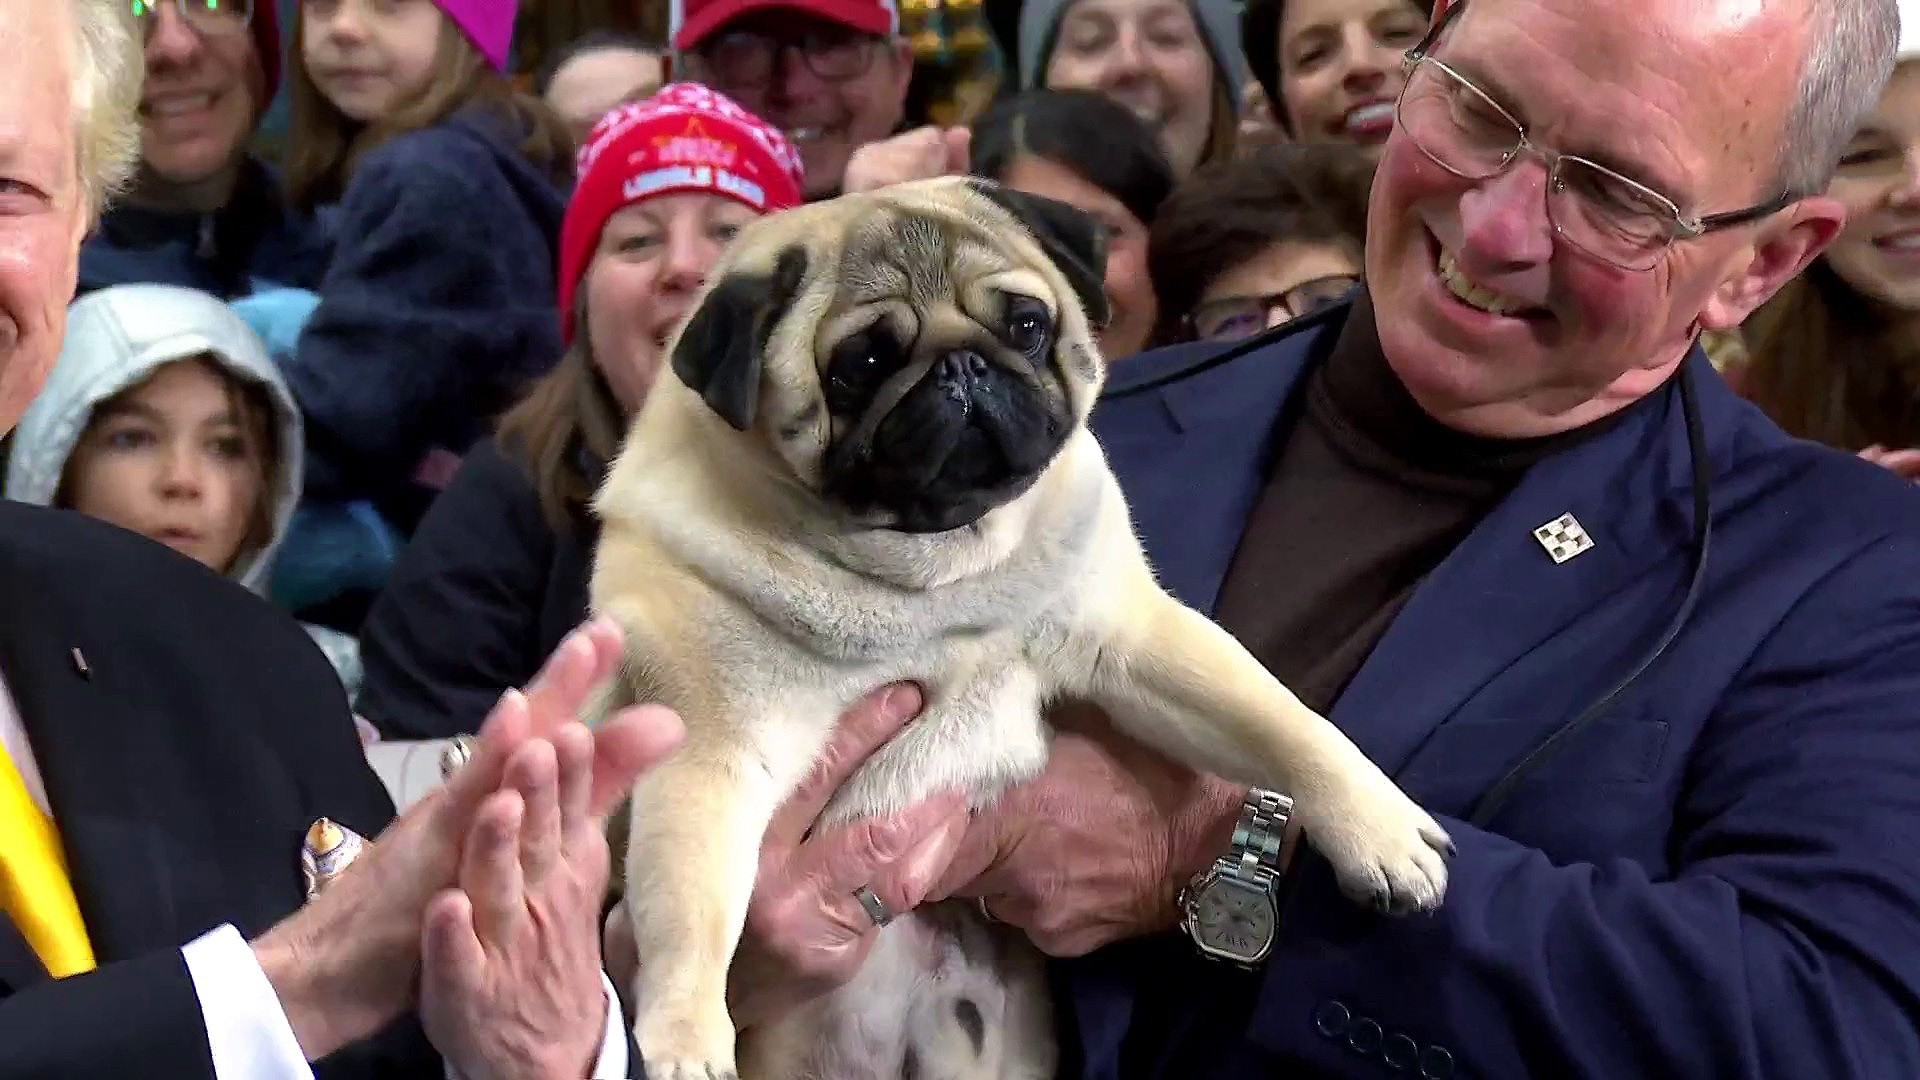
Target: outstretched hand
<point>510,982</point>
<point>345,965</point>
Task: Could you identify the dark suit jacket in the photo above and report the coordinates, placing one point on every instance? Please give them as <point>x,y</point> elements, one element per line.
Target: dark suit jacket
<point>184,761</point>
<point>1718,878</point>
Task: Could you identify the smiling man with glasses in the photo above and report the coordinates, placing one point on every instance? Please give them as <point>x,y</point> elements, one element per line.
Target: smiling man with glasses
<point>203,212</point>
<point>831,74</point>
<point>1654,665</point>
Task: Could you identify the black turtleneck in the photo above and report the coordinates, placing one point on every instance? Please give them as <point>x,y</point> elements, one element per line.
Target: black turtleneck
<point>1365,496</point>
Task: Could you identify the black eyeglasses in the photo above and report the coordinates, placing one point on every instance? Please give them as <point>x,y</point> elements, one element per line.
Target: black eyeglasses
<point>204,16</point>
<point>748,58</point>
<point>1462,129</point>
<point>1231,318</point>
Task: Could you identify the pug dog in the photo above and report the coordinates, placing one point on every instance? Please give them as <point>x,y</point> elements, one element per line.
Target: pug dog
<point>871,463</point>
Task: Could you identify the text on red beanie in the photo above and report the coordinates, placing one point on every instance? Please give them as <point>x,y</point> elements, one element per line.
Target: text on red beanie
<point>686,137</point>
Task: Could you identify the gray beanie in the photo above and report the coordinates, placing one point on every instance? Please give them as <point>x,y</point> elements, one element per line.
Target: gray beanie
<point>1218,21</point>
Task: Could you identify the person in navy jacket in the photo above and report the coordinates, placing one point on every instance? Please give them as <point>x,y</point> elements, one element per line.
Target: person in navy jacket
<point>204,211</point>
<point>1457,514</point>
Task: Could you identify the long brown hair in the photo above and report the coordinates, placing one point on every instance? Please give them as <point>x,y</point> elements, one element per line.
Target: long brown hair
<point>324,144</point>
<point>566,429</point>
<point>1830,364</point>
<point>1223,126</point>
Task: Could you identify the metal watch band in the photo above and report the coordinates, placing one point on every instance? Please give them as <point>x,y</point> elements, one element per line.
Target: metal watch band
<point>1252,859</point>
<point>1254,853</point>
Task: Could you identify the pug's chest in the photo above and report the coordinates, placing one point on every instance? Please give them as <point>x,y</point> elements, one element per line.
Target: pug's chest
<point>981,729</point>
<point>856,623</point>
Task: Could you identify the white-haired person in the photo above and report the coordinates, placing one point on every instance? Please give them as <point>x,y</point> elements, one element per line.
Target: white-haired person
<point>180,786</point>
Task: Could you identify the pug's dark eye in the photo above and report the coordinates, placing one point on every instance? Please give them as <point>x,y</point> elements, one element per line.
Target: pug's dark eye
<point>1028,325</point>
<point>858,367</point>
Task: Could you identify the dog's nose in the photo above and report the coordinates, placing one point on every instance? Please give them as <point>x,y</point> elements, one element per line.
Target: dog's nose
<point>961,365</point>
<point>959,371</point>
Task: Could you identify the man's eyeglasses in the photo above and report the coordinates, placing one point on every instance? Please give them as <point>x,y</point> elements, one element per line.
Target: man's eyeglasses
<point>1609,216</point>
<point>1231,318</point>
<point>746,58</point>
<point>204,16</point>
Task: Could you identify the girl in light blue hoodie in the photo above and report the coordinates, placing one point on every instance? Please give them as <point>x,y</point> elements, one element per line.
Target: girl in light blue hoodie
<point>164,415</point>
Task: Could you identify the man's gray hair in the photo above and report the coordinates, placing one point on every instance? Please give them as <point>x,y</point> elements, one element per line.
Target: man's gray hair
<point>1849,57</point>
<point>108,68</point>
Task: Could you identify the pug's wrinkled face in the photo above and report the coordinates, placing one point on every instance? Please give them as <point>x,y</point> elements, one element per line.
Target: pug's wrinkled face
<point>917,356</point>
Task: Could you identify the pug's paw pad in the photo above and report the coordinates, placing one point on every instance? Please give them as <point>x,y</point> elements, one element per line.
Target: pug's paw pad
<point>682,1048</point>
<point>684,1070</point>
<point>1386,852</point>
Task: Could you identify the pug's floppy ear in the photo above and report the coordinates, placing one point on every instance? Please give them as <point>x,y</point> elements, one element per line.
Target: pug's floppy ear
<point>722,350</point>
<point>1071,238</point>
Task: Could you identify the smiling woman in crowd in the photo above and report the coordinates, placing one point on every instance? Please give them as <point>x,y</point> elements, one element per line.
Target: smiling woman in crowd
<point>1835,357</point>
<point>1331,68</point>
<point>497,574</point>
<point>1082,148</point>
<point>203,212</point>
<point>1176,64</point>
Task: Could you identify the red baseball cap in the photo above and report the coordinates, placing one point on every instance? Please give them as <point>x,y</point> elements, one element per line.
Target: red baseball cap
<point>694,21</point>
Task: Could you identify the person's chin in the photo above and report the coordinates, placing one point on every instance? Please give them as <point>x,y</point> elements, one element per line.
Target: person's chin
<point>359,106</point>
<point>1431,359</point>
<point>1372,150</point>
<point>1895,285</point>
<point>192,162</point>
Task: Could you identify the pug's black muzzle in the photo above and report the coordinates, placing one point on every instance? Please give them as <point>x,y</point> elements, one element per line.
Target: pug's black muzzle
<point>969,436</point>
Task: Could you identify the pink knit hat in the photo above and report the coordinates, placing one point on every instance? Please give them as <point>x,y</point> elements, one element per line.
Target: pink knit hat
<point>487,23</point>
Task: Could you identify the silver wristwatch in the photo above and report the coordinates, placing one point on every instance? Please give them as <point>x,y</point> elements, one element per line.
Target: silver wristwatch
<point>1231,910</point>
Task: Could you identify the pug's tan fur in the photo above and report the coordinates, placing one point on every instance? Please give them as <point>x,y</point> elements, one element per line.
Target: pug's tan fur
<point>760,611</point>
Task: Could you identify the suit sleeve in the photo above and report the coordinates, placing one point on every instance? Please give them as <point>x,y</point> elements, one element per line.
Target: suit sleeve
<point>423,319</point>
<point>137,1017</point>
<point>1784,944</point>
<point>456,624</point>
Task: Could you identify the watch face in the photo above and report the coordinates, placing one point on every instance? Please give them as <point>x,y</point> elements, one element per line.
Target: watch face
<point>1234,919</point>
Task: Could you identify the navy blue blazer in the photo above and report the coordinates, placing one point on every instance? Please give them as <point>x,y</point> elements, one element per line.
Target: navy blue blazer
<point>1719,877</point>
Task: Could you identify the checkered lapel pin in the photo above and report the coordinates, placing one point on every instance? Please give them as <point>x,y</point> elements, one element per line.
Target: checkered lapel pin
<point>1563,537</point>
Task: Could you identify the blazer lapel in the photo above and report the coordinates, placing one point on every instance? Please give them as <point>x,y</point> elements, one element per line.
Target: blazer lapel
<point>1193,457</point>
<point>1500,595</point>
<point>92,750</point>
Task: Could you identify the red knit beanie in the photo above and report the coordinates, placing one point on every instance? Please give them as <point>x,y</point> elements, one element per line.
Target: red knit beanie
<point>686,137</point>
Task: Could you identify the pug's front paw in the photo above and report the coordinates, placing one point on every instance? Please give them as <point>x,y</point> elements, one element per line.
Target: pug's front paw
<point>1386,852</point>
<point>689,1070</point>
<point>687,1047</point>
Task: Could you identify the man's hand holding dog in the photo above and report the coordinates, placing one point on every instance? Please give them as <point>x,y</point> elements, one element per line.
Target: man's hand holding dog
<point>1095,848</point>
<point>806,933</point>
